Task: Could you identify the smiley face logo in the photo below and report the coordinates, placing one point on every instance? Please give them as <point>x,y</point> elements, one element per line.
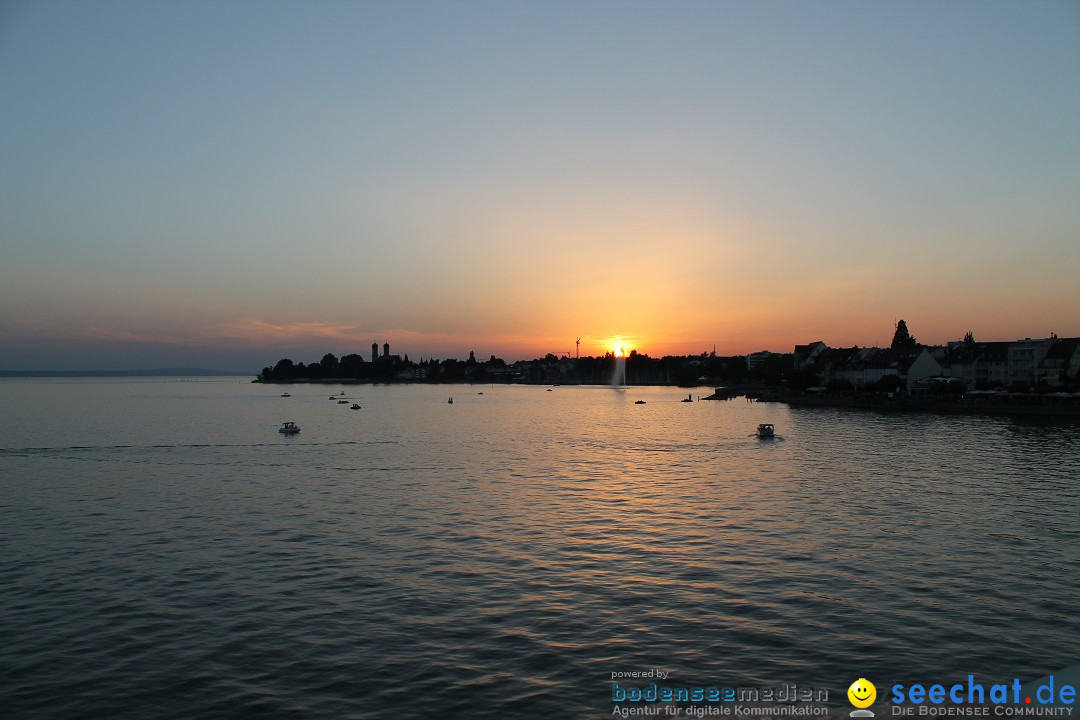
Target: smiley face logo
<point>862,693</point>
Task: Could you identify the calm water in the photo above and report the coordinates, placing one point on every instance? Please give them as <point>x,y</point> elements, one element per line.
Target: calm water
<point>167,554</point>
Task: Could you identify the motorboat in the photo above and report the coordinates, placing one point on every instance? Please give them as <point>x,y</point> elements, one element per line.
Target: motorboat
<point>285,395</point>
<point>639,402</point>
<point>342,402</point>
<point>354,407</point>
<point>766,430</point>
<point>450,401</point>
<point>332,397</point>
<point>289,428</point>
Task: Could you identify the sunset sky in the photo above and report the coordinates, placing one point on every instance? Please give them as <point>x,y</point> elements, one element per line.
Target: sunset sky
<point>222,184</point>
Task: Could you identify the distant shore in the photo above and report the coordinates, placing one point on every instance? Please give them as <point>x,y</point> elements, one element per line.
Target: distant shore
<point>157,372</point>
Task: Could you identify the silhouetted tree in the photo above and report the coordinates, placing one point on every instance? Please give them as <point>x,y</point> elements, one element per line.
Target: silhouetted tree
<point>800,380</point>
<point>840,387</point>
<point>352,365</point>
<point>329,365</point>
<point>889,383</point>
<point>771,370</point>
<point>902,339</point>
<point>453,370</point>
<point>969,338</point>
<point>284,370</point>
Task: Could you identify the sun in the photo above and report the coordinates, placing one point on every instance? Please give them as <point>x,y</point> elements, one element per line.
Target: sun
<point>618,347</point>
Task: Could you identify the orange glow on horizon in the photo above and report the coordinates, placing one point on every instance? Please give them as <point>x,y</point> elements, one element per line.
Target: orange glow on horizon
<point>618,346</point>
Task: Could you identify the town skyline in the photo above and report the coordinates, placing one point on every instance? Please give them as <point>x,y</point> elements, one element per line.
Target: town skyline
<point>1048,367</point>
<point>216,186</point>
<point>616,346</point>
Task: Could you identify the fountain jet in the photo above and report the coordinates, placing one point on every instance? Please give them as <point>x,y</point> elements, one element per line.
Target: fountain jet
<point>618,378</point>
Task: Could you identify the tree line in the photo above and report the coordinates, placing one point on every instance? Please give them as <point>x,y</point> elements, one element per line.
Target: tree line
<point>685,370</point>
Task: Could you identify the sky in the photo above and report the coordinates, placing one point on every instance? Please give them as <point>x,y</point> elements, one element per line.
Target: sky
<point>224,184</point>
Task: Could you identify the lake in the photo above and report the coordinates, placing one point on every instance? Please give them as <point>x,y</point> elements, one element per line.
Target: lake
<point>166,553</point>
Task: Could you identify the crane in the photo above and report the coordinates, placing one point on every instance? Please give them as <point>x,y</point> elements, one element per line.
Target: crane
<point>578,344</point>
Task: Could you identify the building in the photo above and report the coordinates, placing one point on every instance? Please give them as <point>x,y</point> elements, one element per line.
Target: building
<point>1024,357</point>
<point>806,354</point>
<point>1061,360</point>
<point>753,360</point>
<point>864,366</point>
<point>920,368</point>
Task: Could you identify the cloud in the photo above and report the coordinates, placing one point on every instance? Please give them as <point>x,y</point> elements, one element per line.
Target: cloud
<point>257,331</point>
<point>253,332</point>
<point>248,331</point>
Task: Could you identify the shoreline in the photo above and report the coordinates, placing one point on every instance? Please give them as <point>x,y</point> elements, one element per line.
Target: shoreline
<point>1049,407</point>
<point>1032,407</point>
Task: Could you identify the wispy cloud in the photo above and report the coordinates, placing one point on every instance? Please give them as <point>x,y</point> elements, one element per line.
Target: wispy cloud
<point>255,332</point>
<point>258,331</point>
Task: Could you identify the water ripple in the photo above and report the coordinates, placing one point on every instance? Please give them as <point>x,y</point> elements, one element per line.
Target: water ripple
<point>503,563</point>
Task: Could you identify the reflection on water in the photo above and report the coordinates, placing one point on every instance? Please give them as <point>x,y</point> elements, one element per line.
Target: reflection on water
<point>166,553</point>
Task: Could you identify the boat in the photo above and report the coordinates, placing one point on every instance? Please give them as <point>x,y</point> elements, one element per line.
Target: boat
<point>639,402</point>
<point>354,407</point>
<point>332,397</point>
<point>766,430</point>
<point>450,401</point>
<point>342,402</point>
<point>285,395</point>
<point>289,428</point>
